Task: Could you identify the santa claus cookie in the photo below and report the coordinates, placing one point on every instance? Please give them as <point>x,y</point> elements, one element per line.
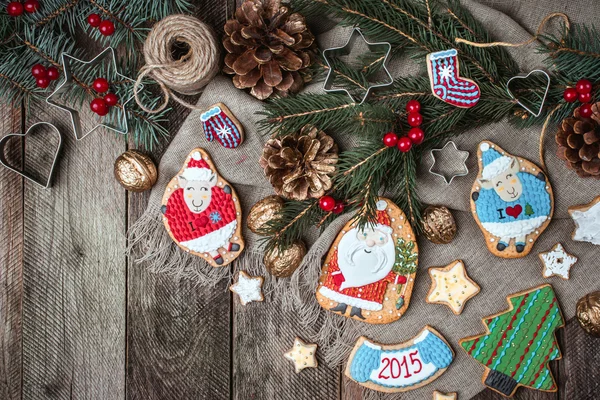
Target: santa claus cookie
<point>369,272</point>
<point>202,212</point>
<point>511,200</point>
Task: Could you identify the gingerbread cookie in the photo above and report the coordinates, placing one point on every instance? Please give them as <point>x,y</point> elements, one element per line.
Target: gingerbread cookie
<point>587,222</point>
<point>248,288</point>
<point>202,212</point>
<point>450,285</point>
<point>303,355</point>
<point>511,200</point>
<point>519,342</point>
<point>219,123</point>
<point>369,273</point>
<point>557,262</point>
<point>441,396</point>
<point>400,367</point>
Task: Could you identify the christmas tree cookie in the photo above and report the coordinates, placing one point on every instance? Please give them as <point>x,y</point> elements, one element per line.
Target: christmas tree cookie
<point>369,272</point>
<point>511,200</point>
<point>519,343</point>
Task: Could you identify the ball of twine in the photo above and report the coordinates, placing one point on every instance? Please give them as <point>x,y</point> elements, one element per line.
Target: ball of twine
<point>186,75</point>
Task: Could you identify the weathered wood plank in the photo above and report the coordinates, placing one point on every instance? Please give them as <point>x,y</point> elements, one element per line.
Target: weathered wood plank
<point>11,262</point>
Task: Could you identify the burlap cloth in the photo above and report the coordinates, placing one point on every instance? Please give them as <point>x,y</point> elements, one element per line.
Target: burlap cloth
<point>497,277</point>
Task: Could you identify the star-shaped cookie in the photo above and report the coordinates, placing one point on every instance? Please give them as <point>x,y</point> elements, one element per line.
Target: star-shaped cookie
<point>303,355</point>
<point>248,288</point>
<point>557,262</point>
<point>451,286</point>
<point>587,222</point>
<point>441,396</point>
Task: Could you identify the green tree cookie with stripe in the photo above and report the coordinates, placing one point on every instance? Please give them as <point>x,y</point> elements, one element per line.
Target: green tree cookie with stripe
<point>519,343</point>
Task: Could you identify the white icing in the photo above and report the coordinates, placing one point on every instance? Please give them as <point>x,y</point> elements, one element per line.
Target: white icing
<point>514,228</point>
<point>248,288</point>
<point>558,262</point>
<point>213,240</point>
<point>402,381</point>
<point>381,205</point>
<point>484,146</point>
<point>496,167</point>
<point>587,224</point>
<point>421,336</point>
<point>371,345</point>
<point>349,300</point>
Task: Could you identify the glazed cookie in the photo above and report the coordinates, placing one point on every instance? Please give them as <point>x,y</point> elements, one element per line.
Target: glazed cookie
<point>511,200</point>
<point>450,285</point>
<point>369,273</point>
<point>587,222</point>
<point>441,396</point>
<point>303,355</point>
<point>202,212</point>
<point>557,262</point>
<point>519,342</point>
<point>400,367</point>
<point>248,288</point>
<point>219,123</point>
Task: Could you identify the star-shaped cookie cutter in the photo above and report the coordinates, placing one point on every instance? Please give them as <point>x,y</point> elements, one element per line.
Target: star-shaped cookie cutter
<point>63,87</point>
<point>462,172</point>
<point>345,50</point>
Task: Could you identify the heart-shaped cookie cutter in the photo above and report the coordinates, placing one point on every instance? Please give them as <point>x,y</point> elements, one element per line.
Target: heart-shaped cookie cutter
<point>525,77</point>
<point>47,183</point>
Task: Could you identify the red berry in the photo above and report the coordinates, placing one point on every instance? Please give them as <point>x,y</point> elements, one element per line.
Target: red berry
<point>42,82</point>
<point>415,119</point>
<point>111,99</point>
<point>570,95</point>
<point>327,203</point>
<point>106,27</point>
<point>32,6</point>
<point>585,97</point>
<point>52,73</point>
<point>390,139</point>
<point>39,71</point>
<point>413,106</point>
<point>339,208</point>
<point>14,9</point>
<point>100,85</point>
<point>416,135</point>
<point>583,86</point>
<point>94,20</point>
<point>404,144</point>
<point>585,110</point>
<point>402,279</point>
<point>99,107</point>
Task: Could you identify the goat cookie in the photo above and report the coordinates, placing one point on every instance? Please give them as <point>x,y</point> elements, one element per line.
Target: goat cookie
<point>511,200</point>
<point>202,212</point>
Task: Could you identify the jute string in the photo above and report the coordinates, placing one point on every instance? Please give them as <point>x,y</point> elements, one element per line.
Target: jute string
<point>187,75</point>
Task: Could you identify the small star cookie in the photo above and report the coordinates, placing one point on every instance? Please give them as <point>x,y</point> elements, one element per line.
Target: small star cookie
<point>303,355</point>
<point>248,288</point>
<point>557,262</point>
<point>441,396</point>
<point>451,286</point>
<point>587,221</point>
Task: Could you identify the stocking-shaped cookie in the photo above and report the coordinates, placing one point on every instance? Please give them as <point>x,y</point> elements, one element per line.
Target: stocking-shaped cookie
<point>446,82</point>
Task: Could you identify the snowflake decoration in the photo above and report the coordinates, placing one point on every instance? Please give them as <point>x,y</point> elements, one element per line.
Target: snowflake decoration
<point>447,72</point>
<point>215,217</point>
<point>223,131</point>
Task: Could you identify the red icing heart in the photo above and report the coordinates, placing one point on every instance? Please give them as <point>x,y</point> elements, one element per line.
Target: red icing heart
<point>338,279</point>
<point>514,211</point>
<point>202,221</point>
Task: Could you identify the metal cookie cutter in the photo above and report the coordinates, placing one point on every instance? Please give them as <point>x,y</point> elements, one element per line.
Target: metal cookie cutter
<point>65,85</point>
<point>525,77</point>
<point>345,50</point>
<point>449,177</point>
<point>43,183</point>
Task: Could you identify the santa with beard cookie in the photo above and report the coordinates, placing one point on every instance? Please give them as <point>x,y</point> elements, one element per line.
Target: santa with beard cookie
<point>360,268</point>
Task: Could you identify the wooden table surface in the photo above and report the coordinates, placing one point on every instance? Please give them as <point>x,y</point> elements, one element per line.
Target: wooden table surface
<point>80,320</point>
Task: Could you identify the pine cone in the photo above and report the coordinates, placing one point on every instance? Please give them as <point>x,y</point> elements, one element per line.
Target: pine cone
<point>268,49</point>
<point>578,140</point>
<point>300,166</point>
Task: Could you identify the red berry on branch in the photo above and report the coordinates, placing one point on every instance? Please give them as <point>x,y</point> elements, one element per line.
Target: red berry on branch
<point>404,144</point>
<point>415,119</point>
<point>327,203</point>
<point>339,208</point>
<point>42,82</point>
<point>100,85</point>
<point>583,86</point>
<point>52,73</point>
<point>585,110</point>
<point>32,6</point>
<point>390,139</point>
<point>570,95</point>
<point>413,106</point>
<point>106,27</point>
<point>14,9</point>
<point>94,20</point>
<point>585,97</point>
<point>99,107</point>
<point>39,71</point>
<point>416,135</point>
<point>111,99</point>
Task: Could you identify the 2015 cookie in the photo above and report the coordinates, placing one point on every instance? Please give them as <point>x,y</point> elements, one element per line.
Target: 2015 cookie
<point>400,367</point>
<point>511,200</point>
<point>519,342</point>
<point>202,212</point>
<point>369,273</point>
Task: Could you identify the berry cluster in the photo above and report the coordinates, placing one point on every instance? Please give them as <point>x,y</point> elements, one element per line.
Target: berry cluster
<point>16,8</point>
<point>329,204</point>
<point>415,134</point>
<point>102,105</point>
<point>44,75</point>
<point>106,27</point>
<point>582,92</point>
